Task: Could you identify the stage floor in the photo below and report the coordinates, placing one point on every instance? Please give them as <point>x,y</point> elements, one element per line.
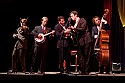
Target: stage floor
<point>48,76</point>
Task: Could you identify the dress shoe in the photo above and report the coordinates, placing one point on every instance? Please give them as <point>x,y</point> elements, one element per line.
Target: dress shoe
<point>13,72</point>
<point>39,72</point>
<point>67,72</point>
<point>84,73</point>
<point>32,72</point>
<point>101,72</point>
<point>23,71</point>
<point>42,73</point>
<point>107,73</point>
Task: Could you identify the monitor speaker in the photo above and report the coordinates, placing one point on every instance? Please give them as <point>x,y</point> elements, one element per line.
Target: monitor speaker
<point>116,67</point>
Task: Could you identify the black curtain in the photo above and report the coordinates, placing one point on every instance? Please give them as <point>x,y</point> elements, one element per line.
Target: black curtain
<point>117,35</point>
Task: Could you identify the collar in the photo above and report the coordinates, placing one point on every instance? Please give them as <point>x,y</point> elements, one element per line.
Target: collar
<point>77,20</point>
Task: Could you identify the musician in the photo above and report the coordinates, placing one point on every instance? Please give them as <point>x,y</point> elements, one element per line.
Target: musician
<point>95,34</point>
<point>62,34</point>
<point>20,49</point>
<point>40,47</point>
<point>83,36</point>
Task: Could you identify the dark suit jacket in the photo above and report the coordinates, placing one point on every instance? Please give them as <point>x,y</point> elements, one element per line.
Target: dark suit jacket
<point>37,30</point>
<point>95,30</point>
<point>83,33</point>
<point>22,37</point>
<point>61,40</point>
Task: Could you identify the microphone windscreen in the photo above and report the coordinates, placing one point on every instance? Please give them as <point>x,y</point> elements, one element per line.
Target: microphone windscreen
<point>69,19</point>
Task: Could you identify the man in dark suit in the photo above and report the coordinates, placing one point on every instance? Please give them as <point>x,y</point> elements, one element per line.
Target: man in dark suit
<point>83,36</point>
<point>97,23</point>
<point>41,37</point>
<point>63,45</point>
<point>20,48</point>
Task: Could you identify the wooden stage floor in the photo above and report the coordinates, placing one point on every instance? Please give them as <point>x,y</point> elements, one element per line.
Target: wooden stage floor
<point>56,76</point>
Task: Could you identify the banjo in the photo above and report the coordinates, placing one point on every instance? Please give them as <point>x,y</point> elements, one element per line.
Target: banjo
<point>42,38</point>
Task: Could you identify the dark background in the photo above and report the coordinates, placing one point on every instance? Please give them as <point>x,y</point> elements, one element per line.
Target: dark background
<point>12,10</point>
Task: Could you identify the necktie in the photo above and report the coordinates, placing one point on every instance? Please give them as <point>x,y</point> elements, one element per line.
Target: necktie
<point>43,29</point>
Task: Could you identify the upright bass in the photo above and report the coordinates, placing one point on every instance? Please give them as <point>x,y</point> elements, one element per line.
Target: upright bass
<point>103,38</point>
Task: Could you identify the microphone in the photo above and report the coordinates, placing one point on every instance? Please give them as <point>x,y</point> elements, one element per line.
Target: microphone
<point>69,19</point>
